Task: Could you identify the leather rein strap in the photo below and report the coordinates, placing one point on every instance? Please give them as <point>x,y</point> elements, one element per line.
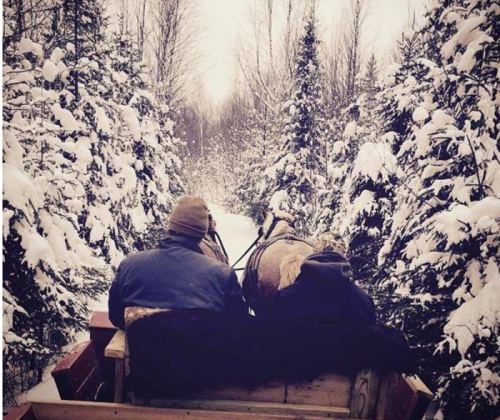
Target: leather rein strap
<point>246,252</point>
<point>276,220</point>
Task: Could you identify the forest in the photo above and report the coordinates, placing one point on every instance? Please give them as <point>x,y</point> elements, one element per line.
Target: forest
<point>106,123</point>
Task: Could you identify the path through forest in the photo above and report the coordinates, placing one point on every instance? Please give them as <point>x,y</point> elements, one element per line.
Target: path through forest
<point>237,233</point>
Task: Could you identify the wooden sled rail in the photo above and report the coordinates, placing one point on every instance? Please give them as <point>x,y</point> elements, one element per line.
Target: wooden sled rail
<point>81,410</point>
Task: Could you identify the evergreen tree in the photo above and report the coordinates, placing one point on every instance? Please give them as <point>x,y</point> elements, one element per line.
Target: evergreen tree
<point>153,144</point>
<point>442,254</point>
<point>369,88</point>
<point>50,272</point>
<point>258,155</point>
<point>358,200</point>
<point>346,188</point>
<point>291,184</point>
<point>85,178</point>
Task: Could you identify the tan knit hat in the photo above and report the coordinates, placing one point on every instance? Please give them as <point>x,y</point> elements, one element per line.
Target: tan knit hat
<point>190,217</point>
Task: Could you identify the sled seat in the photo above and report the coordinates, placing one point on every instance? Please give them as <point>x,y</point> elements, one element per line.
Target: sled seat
<point>366,395</point>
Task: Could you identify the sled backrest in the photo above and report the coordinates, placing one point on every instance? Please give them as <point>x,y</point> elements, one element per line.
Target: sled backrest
<point>367,395</point>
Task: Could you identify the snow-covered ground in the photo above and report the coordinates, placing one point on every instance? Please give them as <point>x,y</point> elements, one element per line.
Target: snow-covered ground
<point>237,233</point>
<point>46,390</point>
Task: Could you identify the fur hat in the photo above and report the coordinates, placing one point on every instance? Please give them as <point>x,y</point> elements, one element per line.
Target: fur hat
<point>330,242</point>
<point>190,217</point>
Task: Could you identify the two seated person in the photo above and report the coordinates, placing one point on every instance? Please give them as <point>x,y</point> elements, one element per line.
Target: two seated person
<point>197,331</point>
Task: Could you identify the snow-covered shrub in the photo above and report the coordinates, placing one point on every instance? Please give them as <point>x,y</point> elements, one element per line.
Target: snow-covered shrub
<point>442,255</point>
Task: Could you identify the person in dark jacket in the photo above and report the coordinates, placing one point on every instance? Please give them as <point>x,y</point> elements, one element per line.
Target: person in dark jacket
<point>324,322</point>
<point>187,346</point>
<point>177,275</point>
<point>323,291</point>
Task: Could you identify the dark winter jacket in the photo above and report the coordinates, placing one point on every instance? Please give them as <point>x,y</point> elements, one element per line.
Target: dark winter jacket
<point>324,292</point>
<point>324,322</point>
<point>176,275</point>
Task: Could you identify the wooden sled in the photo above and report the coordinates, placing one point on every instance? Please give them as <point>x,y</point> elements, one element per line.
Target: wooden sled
<point>366,395</point>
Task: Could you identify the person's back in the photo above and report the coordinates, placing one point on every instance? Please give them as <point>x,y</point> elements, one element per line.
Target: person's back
<point>323,291</point>
<point>197,298</point>
<point>324,322</point>
<point>176,275</point>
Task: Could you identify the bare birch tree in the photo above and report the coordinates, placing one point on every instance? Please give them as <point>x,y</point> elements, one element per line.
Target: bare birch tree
<point>141,32</point>
<point>345,55</point>
<point>173,46</point>
<point>352,44</point>
<point>267,59</point>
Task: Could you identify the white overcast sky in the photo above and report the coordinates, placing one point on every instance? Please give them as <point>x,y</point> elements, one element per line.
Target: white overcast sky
<point>225,21</point>
<point>226,24</point>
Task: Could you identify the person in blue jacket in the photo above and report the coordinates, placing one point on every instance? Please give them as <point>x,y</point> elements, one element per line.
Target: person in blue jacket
<point>177,275</point>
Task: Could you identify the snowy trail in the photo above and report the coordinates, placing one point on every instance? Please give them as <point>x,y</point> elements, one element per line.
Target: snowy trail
<point>237,233</point>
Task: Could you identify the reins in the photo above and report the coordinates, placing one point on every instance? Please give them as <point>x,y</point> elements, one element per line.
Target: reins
<point>246,252</point>
<point>216,234</point>
<point>216,238</point>
<point>275,221</point>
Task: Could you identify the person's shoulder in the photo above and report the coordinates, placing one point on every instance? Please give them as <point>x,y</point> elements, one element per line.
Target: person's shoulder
<point>139,257</point>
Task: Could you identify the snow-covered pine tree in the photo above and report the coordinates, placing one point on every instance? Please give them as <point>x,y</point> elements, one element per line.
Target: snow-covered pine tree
<point>84,179</point>
<point>369,86</point>
<point>443,252</point>
<point>369,186</point>
<point>292,182</point>
<point>259,134</point>
<point>154,147</point>
<point>49,273</point>
<point>356,202</point>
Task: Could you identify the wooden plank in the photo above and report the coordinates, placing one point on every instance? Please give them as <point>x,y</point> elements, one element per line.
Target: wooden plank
<point>89,387</point>
<point>101,332</point>
<point>119,378</point>
<point>253,407</point>
<point>21,412</point>
<point>116,348</point>
<point>81,410</point>
<point>78,375</point>
<point>269,392</point>
<point>424,397</point>
<point>100,319</point>
<point>419,386</point>
<point>364,394</point>
<point>401,400</point>
<point>386,385</point>
<point>408,399</point>
<point>327,390</point>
